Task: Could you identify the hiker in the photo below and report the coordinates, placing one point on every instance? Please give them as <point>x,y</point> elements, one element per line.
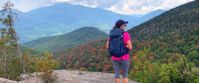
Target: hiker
<point>119,44</point>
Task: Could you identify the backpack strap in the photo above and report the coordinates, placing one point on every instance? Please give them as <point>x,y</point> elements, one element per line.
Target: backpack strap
<point>122,36</point>
<point>120,33</point>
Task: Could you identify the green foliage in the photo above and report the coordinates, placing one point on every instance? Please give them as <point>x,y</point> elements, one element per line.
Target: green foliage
<point>10,63</point>
<point>143,70</point>
<point>194,57</point>
<point>176,69</point>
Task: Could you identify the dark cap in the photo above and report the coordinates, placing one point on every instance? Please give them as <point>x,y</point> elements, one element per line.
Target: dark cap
<point>120,22</point>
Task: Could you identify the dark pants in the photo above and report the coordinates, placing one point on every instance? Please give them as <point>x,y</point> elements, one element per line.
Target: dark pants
<point>121,64</point>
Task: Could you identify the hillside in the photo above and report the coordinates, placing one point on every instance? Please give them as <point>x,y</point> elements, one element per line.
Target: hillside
<point>173,33</point>
<point>176,31</point>
<point>61,42</point>
<point>91,56</point>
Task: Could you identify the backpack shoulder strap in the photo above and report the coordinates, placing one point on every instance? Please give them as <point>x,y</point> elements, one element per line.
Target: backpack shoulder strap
<point>122,35</point>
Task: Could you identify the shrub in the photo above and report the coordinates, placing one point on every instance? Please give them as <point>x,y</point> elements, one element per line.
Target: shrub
<point>46,64</point>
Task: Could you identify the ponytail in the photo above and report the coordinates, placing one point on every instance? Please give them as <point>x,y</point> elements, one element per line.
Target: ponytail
<point>115,27</point>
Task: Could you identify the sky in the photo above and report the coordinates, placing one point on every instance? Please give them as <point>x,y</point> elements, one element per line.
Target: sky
<point>118,6</point>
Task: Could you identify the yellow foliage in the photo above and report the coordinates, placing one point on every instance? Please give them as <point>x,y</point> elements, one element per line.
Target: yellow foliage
<point>45,65</point>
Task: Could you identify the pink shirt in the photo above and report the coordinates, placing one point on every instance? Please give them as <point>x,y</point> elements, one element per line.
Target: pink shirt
<point>126,56</point>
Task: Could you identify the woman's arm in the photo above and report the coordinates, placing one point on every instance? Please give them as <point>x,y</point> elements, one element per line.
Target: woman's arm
<point>107,45</point>
<point>129,45</point>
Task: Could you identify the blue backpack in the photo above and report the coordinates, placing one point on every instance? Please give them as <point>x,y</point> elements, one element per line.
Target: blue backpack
<point>116,43</point>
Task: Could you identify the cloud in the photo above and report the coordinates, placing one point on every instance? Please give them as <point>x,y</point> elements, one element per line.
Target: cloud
<point>92,3</point>
<point>118,6</point>
<point>27,5</point>
<point>130,6</point>
<point>145,6</point>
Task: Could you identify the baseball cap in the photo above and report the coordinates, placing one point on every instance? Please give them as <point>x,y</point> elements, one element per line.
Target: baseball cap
<point>120,22</point>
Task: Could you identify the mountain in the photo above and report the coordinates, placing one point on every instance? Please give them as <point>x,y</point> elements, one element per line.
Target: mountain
<point>152,14</point>
<point>63,18</point>
<point>61,42</point>
<point>139,18</point>
<point>172,33</point>
<point>148,16</point>
<point>175,31</point>
<point>136,15</point>
<point>18,12</point>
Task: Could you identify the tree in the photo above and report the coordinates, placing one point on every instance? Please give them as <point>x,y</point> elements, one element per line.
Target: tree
<point>194,57</point>
<point>9,42</point>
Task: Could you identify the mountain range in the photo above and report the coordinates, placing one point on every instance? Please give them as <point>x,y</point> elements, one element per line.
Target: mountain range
<point>58,43</point>
<point>63,18</point>
<point>174,33</point>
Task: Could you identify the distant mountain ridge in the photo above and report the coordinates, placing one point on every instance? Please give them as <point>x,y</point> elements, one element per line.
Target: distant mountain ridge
<point>152,14</point>
<point>61,42</point>
<point>63,18</point>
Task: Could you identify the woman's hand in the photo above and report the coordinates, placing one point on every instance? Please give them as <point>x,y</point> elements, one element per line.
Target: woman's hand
<point>135,57</point>
<point>107,45</point>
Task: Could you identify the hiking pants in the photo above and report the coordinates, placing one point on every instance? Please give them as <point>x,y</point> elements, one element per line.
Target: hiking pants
<point>121,65</point>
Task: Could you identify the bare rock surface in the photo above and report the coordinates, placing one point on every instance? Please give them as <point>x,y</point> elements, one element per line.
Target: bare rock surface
<point>3,80</point>
<point>69,76</point>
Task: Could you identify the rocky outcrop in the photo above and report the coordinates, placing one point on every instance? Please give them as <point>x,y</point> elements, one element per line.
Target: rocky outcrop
<point>69,76</point>
<point>3,80</point>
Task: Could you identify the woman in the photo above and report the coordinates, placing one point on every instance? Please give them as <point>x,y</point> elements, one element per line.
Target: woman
<point>123,61</point>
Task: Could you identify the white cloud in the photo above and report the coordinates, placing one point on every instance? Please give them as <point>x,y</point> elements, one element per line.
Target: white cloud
<point>130,6</point>
<point>145,6</point>
<point>27,5</point>
<point>119,6</point>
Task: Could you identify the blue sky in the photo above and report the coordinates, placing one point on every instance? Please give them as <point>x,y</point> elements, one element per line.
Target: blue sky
<point>118,6</point>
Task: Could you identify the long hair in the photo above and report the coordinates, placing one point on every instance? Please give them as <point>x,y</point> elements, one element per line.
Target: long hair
<point>116,27</point>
